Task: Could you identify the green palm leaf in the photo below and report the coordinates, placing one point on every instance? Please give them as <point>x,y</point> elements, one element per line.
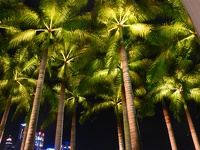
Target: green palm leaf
<point>30,18</point>
<point>22,37</point>
<point>140,29</point>
<point>195,94</point>
<point>158,69</point>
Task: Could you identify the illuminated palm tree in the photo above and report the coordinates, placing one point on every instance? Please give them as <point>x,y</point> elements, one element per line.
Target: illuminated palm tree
<point>155,95</point>
<point>73,98</point>
<point>124,19</point>
<point>17,81</point>
<point>179,88</point>
<point>67,54</point>
<point>46,27</point>
<point>181,41</point>
<point>112,92</point>
<point>165,60</point>
<point>107,102</point>
<point>177,36</point>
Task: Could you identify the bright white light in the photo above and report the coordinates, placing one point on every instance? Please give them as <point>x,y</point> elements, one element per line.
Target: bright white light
<point>23,124</point>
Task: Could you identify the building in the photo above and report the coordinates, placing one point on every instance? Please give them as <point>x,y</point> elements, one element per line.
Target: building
<point>9,144</point>
<point>65,146</point>
<point>20,136</point>
<point>39,138</point>
<point>39,141</point>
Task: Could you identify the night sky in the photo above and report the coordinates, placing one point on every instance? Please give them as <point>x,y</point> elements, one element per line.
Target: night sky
<point>102,133</point>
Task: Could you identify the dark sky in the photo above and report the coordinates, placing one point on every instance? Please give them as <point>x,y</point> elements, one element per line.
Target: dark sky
<point>102,134</point>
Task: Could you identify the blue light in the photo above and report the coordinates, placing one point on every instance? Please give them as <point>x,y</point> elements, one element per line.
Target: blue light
<point>23,124</point>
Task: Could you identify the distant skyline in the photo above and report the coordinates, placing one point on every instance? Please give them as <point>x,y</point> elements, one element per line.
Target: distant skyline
<point>102,133</point>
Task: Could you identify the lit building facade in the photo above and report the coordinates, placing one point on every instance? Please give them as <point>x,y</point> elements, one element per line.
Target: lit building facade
<point>39,138</point>
<point>9,144</point>
<point>65,146</point>
<point>39,141</point>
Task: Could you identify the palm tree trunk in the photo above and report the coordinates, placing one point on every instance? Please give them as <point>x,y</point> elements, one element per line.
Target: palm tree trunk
<point>191,127</point>
<point>60,118</point>
<point>125,121</point>
<point>129,99</point>
<point>73,132</point>
<point>120,136</point>
<point>4,118</point>
<point>36,104</point>
<point>24,137</point>
<point>169,127</point>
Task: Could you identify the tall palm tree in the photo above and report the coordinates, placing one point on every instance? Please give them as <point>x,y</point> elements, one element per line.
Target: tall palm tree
<point>187,87</point>
<point>64,60</point>
<point>45,27</point>
<point>118,17</point>
<point>178,89</point>
<point>158,94</point>
<point>73,98</point>
<point>110,79</point>
<point>109,101</point>
<point>177,36</point>
<point>16,80</point>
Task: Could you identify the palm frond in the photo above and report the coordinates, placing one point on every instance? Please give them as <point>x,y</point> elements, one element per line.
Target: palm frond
<point>135,78</point>
<point>140,65</point>
<point>28,81</point>
<point>9,8</point>
<point>95,109</point>
<point>141,91</point>
<point>10,29</point>
<point>29,18</point>
<point>158,69</point>
<point>3,83</point>
<point>22,37</point>
<point>106,15</point>
<point>186,42</point>
<point>98,76</point>
<point>70,104</point>
<point>140,29</point>
<point>31,64</point>
<point>51,117</point>
<point>195,94</point>
<point>176,104</point>
<point>147,10</point>
<point>175,30</point>
<point>112,58</point>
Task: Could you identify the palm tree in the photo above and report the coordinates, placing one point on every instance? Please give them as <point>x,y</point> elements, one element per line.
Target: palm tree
<point>178,89</point>
<point>186,87</point>
<point>109,101</point>
<point>112,79</point>
<point>17,81</point>
<point>164,64</point>
<point>158,94</point>
<point>65,58</point>
<point>118,17</point>
<point>182,42</point>
<point>177,36</point>
<point>45,27</point>
<point>47,93</point>
<point>73,98</point>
